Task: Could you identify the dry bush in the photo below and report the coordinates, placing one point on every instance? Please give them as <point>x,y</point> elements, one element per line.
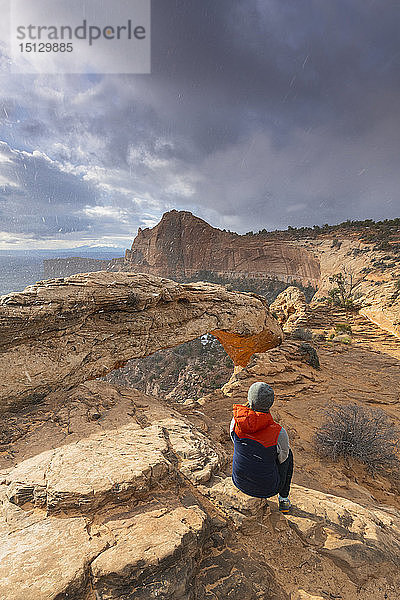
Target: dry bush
<point>310,355</point>
<point>302,333</point>
<point>365,434</point>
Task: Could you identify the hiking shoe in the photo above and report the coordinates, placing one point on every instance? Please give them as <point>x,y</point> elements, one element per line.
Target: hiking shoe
<point>285,505</point>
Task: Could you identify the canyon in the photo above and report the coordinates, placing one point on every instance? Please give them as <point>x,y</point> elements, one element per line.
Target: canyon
<point>112,493</point>
<point>171,249</point>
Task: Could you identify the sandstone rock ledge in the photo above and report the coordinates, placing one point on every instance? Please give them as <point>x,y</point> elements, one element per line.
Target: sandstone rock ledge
<point>359,540</point>
<point>147,510</point>
<point>113,466</point>
<point>58,333</point>
<point>117,516</point>
<point>291,308</point>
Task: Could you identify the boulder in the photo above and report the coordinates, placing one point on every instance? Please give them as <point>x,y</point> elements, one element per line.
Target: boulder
<point>46,558</point>
<point>358,540</point>
<point>112,466</point>
<point>291,309</point>
<point>197,457</point>
<point>163,542</point>
<point>245,511</point>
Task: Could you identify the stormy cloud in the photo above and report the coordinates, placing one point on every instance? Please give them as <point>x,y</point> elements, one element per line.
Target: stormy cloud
<point>256,114</point>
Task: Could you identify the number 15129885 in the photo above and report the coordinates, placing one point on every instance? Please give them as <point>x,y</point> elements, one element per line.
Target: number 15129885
<point>46,47</point>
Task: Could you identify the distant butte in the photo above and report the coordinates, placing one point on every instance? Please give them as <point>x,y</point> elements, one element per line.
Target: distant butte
<point>181,245</point>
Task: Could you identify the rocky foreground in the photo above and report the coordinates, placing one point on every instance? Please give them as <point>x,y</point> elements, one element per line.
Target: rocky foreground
<point>143,507</point>
<point>107,493</point>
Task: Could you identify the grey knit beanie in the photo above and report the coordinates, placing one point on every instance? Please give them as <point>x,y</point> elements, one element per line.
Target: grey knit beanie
<point>260,396</point>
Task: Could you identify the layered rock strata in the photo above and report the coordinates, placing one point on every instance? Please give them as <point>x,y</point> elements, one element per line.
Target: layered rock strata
<point>376,274</point>
<point>58,333</point>
<point>291,309</point>
<point>170,249</point>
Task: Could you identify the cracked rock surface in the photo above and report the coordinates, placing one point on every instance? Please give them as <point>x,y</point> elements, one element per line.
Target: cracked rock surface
<point>113,465</point>
<point>144,507</point>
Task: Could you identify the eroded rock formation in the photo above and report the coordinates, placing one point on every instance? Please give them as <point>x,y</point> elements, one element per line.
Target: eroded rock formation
<point>171,249</point>
<point>124,463</point>
<point>58,333</point>
<point>361,540</point>
<point>114,495</point>
<point>376,273</point>
<point>291,309</point>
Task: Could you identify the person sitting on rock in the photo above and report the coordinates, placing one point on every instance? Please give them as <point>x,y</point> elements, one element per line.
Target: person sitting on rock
<point>262,458</point>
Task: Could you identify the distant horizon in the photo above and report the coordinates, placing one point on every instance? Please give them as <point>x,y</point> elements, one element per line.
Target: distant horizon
<point>87,248</point>
<point>121,248</point>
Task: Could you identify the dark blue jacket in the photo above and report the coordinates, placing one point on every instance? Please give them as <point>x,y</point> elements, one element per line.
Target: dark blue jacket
<point>255,457</point>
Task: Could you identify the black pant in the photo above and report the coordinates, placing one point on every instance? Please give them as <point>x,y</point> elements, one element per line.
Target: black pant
<point>285,473</point>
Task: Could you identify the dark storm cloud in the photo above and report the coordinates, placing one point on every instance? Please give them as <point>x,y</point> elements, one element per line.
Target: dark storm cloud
<point>314,90</point>
<point>37,197</point>
<point>257,113</point>
<point>301,64</point>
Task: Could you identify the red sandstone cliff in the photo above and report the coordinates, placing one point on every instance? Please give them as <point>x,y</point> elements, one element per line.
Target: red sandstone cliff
<point>181,245</point>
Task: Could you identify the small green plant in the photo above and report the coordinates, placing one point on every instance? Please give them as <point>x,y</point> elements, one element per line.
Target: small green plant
<point>342,338</point>
<point>343,328</point>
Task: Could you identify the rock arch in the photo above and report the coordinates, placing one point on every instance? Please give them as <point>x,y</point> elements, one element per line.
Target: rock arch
<point>61,332</point>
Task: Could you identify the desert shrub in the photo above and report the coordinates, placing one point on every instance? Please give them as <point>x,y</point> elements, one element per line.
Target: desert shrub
<point>302,333</point>
<point>132,299</point>
<point>343,293</point>
<point>365,434</point>
<point>343,328</point>
<point>339,338</point>
<point>342,339</point>
<point>310,355</point>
